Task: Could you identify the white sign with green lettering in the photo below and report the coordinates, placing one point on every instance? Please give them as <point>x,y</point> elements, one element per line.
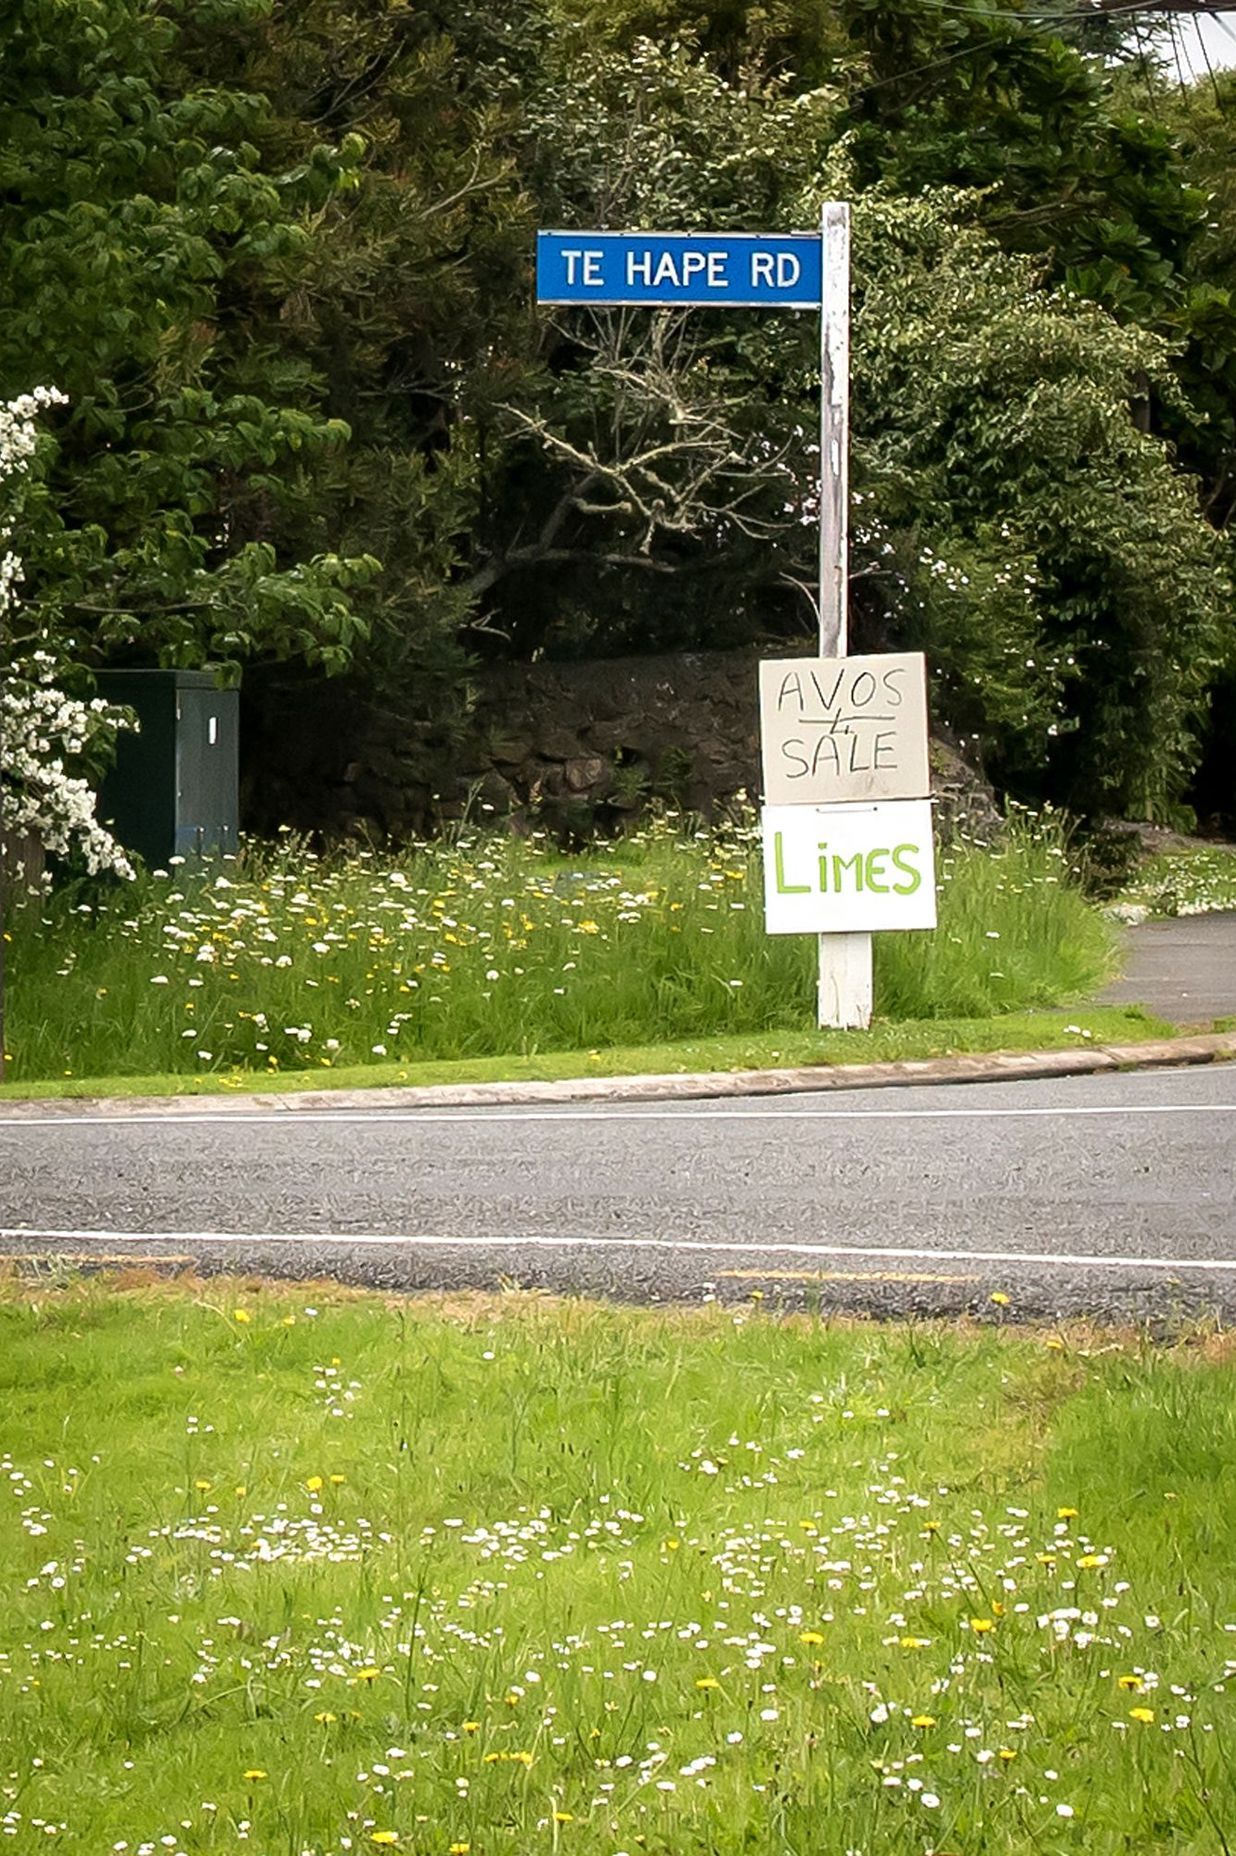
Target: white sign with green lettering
<point>849,869</point>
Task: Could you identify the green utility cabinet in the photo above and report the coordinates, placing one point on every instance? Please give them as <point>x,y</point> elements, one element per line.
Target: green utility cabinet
<point>175,787</point>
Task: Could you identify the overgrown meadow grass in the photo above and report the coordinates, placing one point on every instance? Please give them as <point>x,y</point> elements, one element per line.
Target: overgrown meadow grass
<point>294,1571</point>
<point>1191,882</point>
<point>281,959</point>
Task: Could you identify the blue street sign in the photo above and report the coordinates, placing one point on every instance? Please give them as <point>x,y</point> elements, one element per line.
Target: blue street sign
<point>770,270</point>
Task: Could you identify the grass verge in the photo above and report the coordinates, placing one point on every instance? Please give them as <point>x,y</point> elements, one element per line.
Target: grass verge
<point>883,1043</point>
<point>316,1572</point>
<point>491,947</point>
<point>1191,882</point>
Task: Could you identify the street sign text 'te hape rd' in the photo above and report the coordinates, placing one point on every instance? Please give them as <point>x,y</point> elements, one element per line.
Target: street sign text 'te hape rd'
<point>730,270</point>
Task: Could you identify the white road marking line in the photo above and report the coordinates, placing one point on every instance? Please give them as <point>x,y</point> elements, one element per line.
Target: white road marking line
<point>378,1117</point>
<point>688,1246</point>
<point>903,1276</point>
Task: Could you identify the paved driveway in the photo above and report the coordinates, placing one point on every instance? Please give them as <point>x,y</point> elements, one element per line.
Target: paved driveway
<point>1182,970</point>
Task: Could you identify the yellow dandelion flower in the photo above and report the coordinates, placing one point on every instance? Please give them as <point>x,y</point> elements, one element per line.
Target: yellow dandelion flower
<point>325,1717</point>
<point>201,1485</point>
<point>255,1773</point>
<point>384,1836</point>
<point>242,1315</point>
<point>1142,1714</point>
<point>707,1682</point>
<point>672,1546</point>
<point>1007,1753</point>
<point>337,1480</point>
<point>915,1643</point>
<point>241,1490</point>
<point>980,1625</point>
<point>931,1527</point>
<point>564,1817</point>
<point>524,1759</point>
<point>460,1849</point>
<point>1066,1514</point>
<point>1130,1682</point>
<point>923,1720</point>
<point>367,1675</point>
<point>313,1484</point>
<point>1000,1299</point>
<point>1091,1560</point>
<point>811,1636</point>
<point>1045,1559</point>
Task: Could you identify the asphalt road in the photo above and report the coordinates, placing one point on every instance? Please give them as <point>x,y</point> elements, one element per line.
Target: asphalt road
<point>1111,1195</point>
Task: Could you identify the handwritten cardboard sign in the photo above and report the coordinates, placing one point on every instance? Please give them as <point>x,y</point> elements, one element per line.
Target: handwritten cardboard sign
<point>848,869</point>
<point>841,728</point>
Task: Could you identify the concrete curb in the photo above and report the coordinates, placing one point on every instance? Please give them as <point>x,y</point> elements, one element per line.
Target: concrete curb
<point>986,1067</point>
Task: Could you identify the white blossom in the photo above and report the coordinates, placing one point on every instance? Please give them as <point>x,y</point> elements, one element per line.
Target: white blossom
<point>43,730</point>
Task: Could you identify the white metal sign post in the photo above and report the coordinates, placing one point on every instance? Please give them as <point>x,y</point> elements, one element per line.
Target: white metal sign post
<point>844,994</point>
<point>798,270</point>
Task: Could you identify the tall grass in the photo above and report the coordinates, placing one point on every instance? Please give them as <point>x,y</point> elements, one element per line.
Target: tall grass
<point>281,958</point>
<point>1014,931</point>
<point>307,1574</point>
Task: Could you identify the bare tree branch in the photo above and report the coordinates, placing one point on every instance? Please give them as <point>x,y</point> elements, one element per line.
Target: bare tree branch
<point>668,448</point>
<point>654,453</point>
<point>538,550</point>
<point>475,183</point>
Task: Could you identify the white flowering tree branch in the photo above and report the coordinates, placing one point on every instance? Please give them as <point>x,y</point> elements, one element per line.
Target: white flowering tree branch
<point>48,738</point>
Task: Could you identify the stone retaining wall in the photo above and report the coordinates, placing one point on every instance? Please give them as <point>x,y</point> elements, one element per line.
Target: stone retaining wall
<point>579,747</point>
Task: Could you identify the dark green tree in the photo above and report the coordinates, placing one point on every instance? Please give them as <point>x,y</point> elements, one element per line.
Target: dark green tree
<point>278,253</point>
<point>139,226</point>
<point>411,312</point>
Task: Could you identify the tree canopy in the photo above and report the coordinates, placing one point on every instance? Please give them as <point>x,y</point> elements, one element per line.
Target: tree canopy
<point>277,254</point>
<point>145,245</point>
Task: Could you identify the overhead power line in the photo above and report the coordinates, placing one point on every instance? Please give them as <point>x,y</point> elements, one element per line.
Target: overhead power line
<point>1059,21</point>
<point>1066,17</point>
<point>1191,7</point>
